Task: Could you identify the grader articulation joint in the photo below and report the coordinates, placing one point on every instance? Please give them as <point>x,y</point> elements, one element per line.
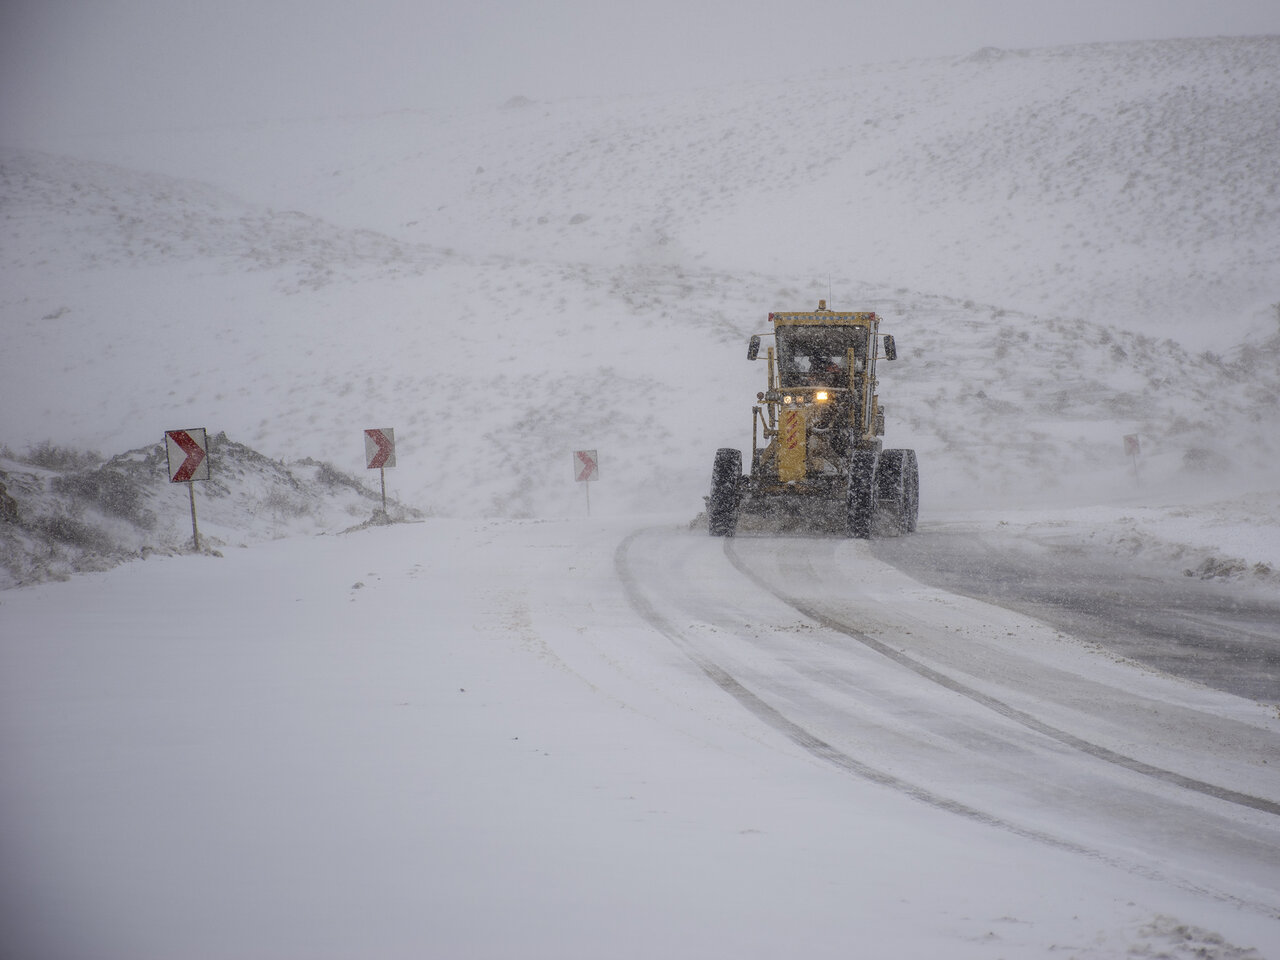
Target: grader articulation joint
<point>816,454</point>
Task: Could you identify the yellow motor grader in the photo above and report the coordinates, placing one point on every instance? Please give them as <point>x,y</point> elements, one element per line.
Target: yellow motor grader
<point>816,454</point>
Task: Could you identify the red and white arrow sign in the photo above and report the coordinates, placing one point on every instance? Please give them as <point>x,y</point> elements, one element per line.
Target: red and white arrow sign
<point>188,452</point>
<point>586,465</point>
<point>380,448</point>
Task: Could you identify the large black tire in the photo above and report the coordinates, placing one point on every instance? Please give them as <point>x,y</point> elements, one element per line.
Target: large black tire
<point>722,505</point>
<point>898,487</point>
<point>911,487</point>
<point>862,498</point>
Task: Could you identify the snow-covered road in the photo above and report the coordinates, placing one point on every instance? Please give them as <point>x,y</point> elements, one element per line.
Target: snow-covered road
<point>610,737</point>
<point>972,708</point>
<point>1222,632</point>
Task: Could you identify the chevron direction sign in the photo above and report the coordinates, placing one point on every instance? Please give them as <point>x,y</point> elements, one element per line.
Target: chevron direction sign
<point>586,465</point>
<point>188,452</point>
<point>380,448</point>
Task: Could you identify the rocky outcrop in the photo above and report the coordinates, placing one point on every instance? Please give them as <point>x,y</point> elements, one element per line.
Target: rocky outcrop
<point>8,505</point>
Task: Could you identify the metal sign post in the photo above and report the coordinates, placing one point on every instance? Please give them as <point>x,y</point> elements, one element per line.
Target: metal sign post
<point>380,453</point>
<point>195,529</point>
<point>586,467</point>
<point>188,453</point>
<point>1133,447</point>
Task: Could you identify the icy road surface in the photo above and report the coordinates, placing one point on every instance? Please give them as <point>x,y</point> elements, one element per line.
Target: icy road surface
<point>1222,633</point>
<point>607,738</point>
<point>979,711</point>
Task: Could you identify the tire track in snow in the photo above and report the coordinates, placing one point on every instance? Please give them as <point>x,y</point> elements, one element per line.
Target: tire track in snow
<point>819,748</point>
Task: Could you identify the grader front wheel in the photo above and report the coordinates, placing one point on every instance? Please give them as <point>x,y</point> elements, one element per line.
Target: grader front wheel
<point>861,494</point>
<point>911,487</point>
<point>898,488</point>
<point>722,505</point>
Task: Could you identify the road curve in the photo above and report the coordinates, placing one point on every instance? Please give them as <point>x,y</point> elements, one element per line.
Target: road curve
<point>971,708</point>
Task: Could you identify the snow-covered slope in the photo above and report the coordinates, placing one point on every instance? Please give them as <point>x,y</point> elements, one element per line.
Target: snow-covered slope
<point>1071,246</point>
<point>1139,181</point>
<point>66,513</point>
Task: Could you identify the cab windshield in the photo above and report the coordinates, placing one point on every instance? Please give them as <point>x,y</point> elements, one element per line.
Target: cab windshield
<point>818,356</point>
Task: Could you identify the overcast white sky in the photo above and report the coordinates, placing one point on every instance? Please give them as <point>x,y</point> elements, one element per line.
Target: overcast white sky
<point>115,65</point>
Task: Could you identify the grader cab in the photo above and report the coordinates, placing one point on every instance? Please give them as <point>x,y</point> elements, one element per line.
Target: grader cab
<point>816,454</point>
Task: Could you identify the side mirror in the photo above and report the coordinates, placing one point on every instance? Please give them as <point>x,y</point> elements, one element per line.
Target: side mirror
<point>890,351</point>
<point>753,348</point>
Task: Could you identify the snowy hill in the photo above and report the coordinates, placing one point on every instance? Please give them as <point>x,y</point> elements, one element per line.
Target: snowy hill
<point>1070,245</point>
<point>501,728</point>
<point>1137,180</point>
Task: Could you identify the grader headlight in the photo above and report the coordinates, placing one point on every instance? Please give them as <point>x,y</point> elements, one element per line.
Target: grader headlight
<point>820,396</point>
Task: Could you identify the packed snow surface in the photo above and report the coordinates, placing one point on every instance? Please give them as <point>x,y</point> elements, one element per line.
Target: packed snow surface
<point>461,738</point>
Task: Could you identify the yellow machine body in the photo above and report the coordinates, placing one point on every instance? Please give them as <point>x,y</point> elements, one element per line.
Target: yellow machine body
<point>792,444</point>
<point>816,453</point>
